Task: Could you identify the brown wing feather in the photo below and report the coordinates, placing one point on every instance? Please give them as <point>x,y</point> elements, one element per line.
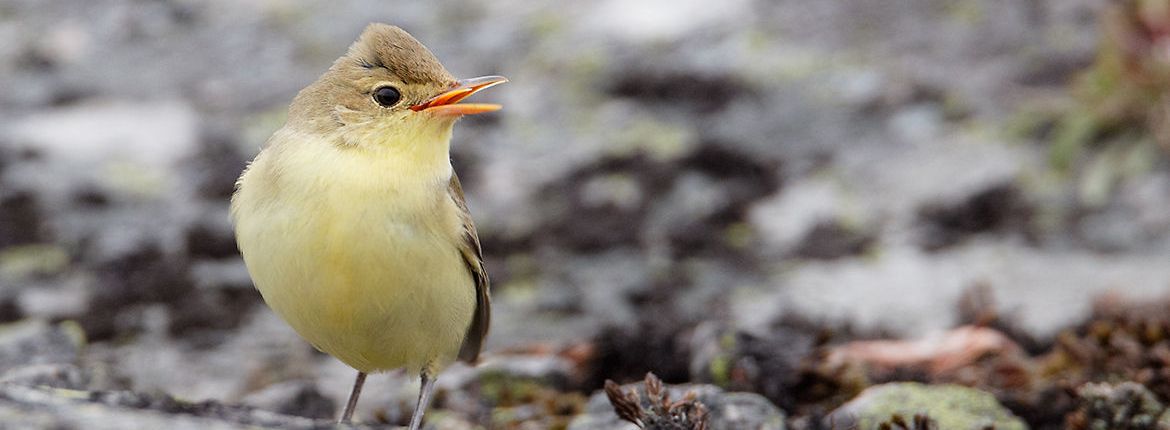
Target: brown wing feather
<point>473,256</point>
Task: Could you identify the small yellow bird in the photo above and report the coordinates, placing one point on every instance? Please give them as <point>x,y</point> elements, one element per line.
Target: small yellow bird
<point>352,222</point>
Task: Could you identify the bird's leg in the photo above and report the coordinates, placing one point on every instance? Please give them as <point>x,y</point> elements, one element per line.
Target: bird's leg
<point>424,397</point>
<point>353,398</point>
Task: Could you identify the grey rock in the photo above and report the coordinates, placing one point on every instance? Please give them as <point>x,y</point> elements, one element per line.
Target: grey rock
<point>764,362</point>
<point>21,218</point>
<point>299,398</point>
<point>743,411</point>
<point>221,275</point>
<point>997,208</point>
<point>730,411</point>
<point>48,375</point>
<point>54,300</point>
<point>23,407</point>
<point>35,342</point>
<point>900,290</point>
<point>87,376</point>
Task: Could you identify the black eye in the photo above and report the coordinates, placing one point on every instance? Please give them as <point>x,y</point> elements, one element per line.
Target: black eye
<point>387,96</point>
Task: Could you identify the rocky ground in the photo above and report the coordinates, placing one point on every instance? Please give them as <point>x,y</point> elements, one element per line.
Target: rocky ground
<point>796,210</point>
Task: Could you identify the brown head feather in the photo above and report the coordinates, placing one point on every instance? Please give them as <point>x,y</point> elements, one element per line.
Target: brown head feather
<point>387,46</point>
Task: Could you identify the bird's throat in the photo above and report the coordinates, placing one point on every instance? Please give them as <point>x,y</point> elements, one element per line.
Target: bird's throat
<point>411,150</point>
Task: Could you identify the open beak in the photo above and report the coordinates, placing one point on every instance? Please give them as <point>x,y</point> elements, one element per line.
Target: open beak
<point>447,103</point>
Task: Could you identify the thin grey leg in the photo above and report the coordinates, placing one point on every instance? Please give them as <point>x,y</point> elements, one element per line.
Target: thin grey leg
<point>353,398</point>
<point>424,398</point>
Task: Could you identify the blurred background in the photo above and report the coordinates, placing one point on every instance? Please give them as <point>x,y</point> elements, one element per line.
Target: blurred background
<point>664,174</point>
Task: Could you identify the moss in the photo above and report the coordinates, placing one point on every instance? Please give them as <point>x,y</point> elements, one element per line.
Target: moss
<point>75,333</point>
<point>32,260</point>
<point>1072,134</point>
<point>721,370</point>
<point>740,235</point>
<point>1125,89</point>
<point>1115,163</point>
<point>659,140</point>
<point>138,179</point>
<point>505,389</point>
<point>951,406</point>
<point>1126,406</point>
<point>521,400</point>
<point>967,12</point>
<point>721,365</point>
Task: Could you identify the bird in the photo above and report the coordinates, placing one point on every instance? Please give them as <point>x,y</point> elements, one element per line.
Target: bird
<point>352,222</point>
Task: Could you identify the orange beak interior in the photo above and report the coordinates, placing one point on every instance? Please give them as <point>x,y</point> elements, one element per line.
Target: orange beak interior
<point>447,103</point>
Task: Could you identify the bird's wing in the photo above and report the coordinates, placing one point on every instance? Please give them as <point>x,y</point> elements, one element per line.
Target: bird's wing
<point>473,256</point>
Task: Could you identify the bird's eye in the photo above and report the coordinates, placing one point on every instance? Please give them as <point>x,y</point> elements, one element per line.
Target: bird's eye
<point>387,96</point>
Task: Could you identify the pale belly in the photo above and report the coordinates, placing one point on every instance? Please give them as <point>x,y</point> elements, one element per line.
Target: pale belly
<point>377,290</point>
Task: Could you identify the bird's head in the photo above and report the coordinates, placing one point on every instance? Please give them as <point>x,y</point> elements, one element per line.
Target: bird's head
<point>388,88</point>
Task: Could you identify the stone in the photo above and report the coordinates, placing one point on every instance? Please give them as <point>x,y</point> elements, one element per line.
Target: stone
<point>764,362</point>
<point>953,407</point>
<point>1127,405</point>
<point>23,407</point>
<point>298,398</point>
<point>35,342</point>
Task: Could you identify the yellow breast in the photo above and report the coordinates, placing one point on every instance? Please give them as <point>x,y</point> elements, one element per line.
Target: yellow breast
<point>357,252</point>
